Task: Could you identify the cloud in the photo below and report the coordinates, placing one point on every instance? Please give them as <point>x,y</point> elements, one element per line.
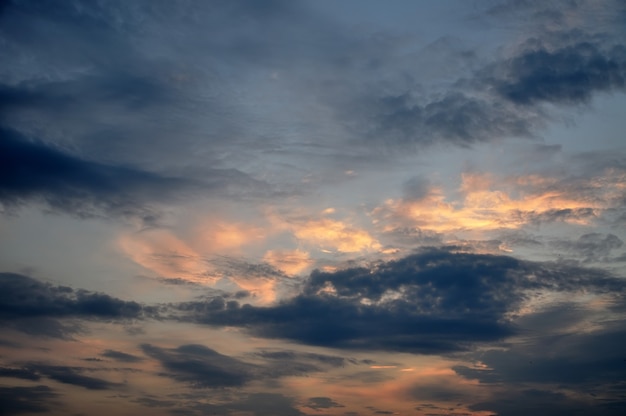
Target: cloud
<point>455,117</point>
<point>585,360</point>
<point>569,74</point>
<point>591,247</point>
<point>165,254</point>
<point>548,402</point>
<point>317,403</point>
<point>280,363</point>
<point>266,404</point>
<point>325,233</point>
<point>35,172</point>
<point>256,404</point>
<point>70,375</point>
<point>121,356</point>
<point>291,262</point>
<point>434,302</point>
<point>18,400</point>
<point>201,366</point>
<point>21,373</point>
<point>567,356</point>
<point>22,296</point>
<point>34,307</point>
<point>485,203</point>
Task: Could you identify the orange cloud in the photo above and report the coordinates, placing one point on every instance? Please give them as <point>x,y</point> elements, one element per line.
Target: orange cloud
<point>483,207</point>
<point>163,253</point>
<point>264,289</point>
<point>335,235</point>
<point>221,237</point>
<point>289,261</point>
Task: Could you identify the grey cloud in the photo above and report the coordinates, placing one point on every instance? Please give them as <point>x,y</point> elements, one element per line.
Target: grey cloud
<point>21,373</point>
<point>121,356</point>
<point>19,400</point>
<point>558,215</point>
<point>581,360</point>
<point>201,366</point>
<point>456,117</point>
<point>33,171</point>
<point>317,403</point>
<point>140,73</point>
<point>416,188</point>
<point>204,367</point>
<point>547,402</point>
<point>70,375</point>
<point>267,404</point>
<point>570,74</point>
<point>45,327</point>
<point>280,363</point>
<point>23,297</point>
<point>38,308</point>
<point>290,355</point>
<point>256,404</point>
<point>591,247</point>
<point>151,401</point>
<point>436,301</point>
<point>554,355</point>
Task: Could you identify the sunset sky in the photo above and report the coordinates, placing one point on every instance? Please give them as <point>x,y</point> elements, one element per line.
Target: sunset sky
<point>310,208</point>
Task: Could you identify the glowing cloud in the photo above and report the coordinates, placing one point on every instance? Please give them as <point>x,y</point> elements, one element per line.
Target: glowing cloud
<point>289,261</point>
<point>164,254</point>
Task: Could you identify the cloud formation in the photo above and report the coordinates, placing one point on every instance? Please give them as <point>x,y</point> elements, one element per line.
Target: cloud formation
<point>437,301</point>
<point>38,308</point>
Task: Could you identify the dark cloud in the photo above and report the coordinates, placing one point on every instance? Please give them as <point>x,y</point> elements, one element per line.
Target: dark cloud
<point>34,307</point>
<point>155,402</point>
<point>566,358</point>
<point>45,327</point>
<point>436,301</point>
<point>31,171</point>
<point>256,404</point>
<point>147,92</point>
<point>456,117</point>
<point>19,400</point>
<point>24,297</point>
<point>201,366</point>
<point>547,402</point>
<point>317,403</point>
<point>267,404</point>
<point>569,75</point>
<point>62,374</point>
<point>290,355</point>
<point>280,363</point>
<point>70,375</point>
<point>22,373</point>
<point>575,359</point>
<point>121,356</point>
<point>116,110</point>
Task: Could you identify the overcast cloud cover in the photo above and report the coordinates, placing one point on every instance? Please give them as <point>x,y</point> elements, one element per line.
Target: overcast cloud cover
<point>359,207</point>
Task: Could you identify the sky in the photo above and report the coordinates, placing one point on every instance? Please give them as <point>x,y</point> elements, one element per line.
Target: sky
<point>310,208</point>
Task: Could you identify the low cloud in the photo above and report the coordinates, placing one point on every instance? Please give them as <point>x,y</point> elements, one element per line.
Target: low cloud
<point>201,366</point>
<point>19,400</point>
<point>434,302</point>
<point>38,308</point>
<point>121,356</point>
